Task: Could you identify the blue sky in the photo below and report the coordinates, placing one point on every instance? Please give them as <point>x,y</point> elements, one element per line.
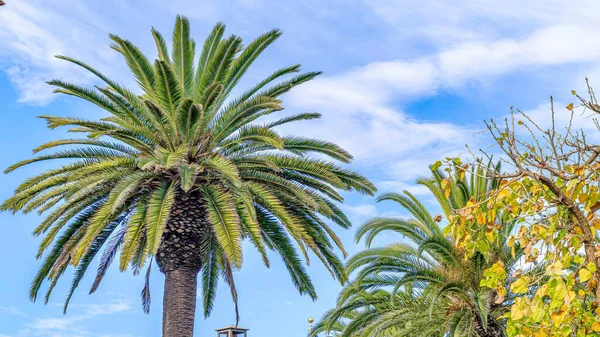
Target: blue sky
<point>406,83</point>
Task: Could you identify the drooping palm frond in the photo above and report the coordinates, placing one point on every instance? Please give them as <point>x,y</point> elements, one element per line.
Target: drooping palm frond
<point>379,313</point>
<point>185,134</point>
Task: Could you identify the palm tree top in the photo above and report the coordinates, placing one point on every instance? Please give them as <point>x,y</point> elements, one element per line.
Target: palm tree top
<point>185,139</point>
<point>423,285</point>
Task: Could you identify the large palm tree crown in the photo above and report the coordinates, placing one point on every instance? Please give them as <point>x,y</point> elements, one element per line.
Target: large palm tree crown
<point>183,172</point>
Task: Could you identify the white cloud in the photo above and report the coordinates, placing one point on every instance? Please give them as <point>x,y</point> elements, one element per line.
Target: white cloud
<point>53,323</point>
<point>447,22</point>
<point>32,34</point>
<point>73,326</point>
<point>557,44</point>
<point>366,210</point>
<point>116,306</point>
<point>363,112</point>
<point>398,186</point>
<point>11,311</point>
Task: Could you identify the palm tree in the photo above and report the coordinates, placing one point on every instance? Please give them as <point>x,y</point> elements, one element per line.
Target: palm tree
<point>183,172</point>
<point>447,281</point>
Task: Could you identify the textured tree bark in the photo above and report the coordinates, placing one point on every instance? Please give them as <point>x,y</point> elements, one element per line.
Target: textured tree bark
<point>494,329</point>
<point>179,257</point>
<point>179,303</point>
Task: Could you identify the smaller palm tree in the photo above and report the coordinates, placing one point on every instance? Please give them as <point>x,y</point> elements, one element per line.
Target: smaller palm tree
<point>447,285</point>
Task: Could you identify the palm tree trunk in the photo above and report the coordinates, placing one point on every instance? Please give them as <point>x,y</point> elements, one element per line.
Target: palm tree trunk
<point>179,303</point>
<point>494,329</point>
<point>179,257</point>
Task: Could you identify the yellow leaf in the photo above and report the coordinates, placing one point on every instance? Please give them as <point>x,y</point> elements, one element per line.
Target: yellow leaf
<point>538,312</point>
<point>511,241</point>
<point>502,194</point>
<point>573,92</point>
<point>516,313</point>
<point>490,235</point>
<point>521,285</point>
<point>445,183</point>
<point>560,291</point>
<point>596,326</point>
<point>584,275</point>
<point>558,319</point>
<point>570,107</point>
<point>544,289</point>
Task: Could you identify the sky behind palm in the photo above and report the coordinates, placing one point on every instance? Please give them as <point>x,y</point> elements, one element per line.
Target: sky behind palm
<point>406,83</point>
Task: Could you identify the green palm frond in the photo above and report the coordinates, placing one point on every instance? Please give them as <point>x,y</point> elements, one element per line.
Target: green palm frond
<point>183,55</point>
<point>224,217</point>
<point>159,207</point>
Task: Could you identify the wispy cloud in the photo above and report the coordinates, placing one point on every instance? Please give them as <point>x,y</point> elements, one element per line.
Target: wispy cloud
<point>363,107</point>
<point>445,23</point>
<point>73,326</point>
<point>365,210</point>
<point>11,311</point>
<point>33,33</point>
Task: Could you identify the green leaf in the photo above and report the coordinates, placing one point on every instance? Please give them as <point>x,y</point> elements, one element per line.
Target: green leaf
<point>209,49</point>
<point>135,228</point>
<point>161,46</point>
<point>138,64</point>
<point>171,158</point>
<point>225,221</point>
<point>183,54</point>
<point>157,215</point>
<point>187,176</point>
<point>226,169</point>
<point>168,91</point>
